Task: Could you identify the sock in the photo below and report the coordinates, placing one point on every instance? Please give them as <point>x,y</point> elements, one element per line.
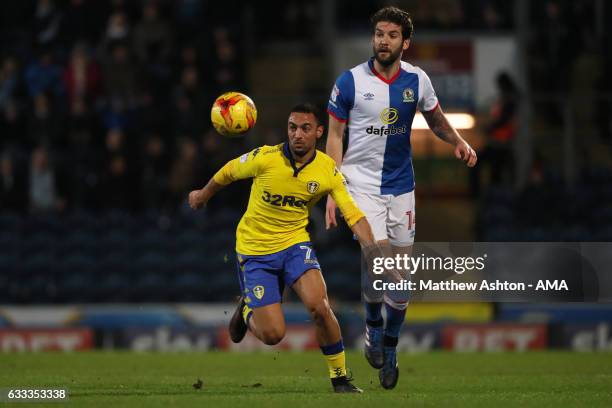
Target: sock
<point>336,360</point>
<point>395,319</point>
<point>373,314</point>
<point>247,312</point>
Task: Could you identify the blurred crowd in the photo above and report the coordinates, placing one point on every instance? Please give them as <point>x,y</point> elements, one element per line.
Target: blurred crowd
<point>105,104</point>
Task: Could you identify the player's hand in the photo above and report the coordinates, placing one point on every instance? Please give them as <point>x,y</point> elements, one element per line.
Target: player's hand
<point>464,151</point>
<point>330,213</point>
<point>195,199</point>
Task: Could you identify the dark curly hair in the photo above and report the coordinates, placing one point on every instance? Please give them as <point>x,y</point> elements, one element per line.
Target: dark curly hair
<point>396,16</point>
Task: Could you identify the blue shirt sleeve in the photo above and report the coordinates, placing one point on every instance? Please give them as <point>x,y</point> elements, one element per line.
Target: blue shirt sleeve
<point>342,97</point>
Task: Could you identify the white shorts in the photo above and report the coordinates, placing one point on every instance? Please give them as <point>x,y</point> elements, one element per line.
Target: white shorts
<point>390,217</point>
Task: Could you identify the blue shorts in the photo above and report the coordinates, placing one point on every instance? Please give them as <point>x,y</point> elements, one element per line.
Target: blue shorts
<point>263,277</point>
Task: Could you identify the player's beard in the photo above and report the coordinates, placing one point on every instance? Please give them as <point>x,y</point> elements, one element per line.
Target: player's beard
<point>390,59</point>
<point>301,151</point>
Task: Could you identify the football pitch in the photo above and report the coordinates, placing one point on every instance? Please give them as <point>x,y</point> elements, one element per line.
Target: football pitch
<point>291,379</point>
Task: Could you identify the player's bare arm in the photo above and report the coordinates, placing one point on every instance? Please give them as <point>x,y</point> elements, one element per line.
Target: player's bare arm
<point>333,148</point>
<point>439,124</point>
<point>199,198</point>
<point>363,232</point>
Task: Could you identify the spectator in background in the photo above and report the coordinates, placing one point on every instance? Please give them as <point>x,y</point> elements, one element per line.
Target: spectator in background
<point>115,190</point>
<point>152,47</point>
<point>498,151</point>
<point>46,22</point>
<point>11,125</point>
<point>44,76</point>
<point>188,13</point>
<point>117,28</point>
<point>44,124</point>
<point>81,21</point>
<point>152,37</point>
<point>154,169</point>
<point>121,76</point>
<point>9,82</point>
<point>82,149</point>
<point>185,172</point>
<point>81,77</point>
<point>190,102</point>
<point>13,186</point>
<point>45,189</point>
<point>227,69</point>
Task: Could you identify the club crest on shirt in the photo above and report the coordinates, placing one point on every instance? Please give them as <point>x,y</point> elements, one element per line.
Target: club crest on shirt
<point>312,187</point>
<point>408,95</point>
<point>258,291</point>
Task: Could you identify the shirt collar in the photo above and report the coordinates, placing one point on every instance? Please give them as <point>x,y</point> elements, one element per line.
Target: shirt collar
<point>289,156</point>
<point>382,78</point>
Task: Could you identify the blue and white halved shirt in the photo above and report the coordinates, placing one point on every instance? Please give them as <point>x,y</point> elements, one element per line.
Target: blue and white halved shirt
<point>379,112</point>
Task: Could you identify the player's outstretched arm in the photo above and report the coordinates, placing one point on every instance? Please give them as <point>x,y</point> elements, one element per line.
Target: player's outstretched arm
<point>199,198</point>
<point>240,168</point>
<point>333,148</point>
<point>444,130</point>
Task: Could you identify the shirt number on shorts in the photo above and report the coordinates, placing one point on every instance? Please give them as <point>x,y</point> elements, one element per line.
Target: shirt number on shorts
<point>308,251</point>
<point>411,219</point>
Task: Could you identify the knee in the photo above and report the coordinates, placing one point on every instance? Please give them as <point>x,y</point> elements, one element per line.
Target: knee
<point>321,311</point>
<point>273,335</point>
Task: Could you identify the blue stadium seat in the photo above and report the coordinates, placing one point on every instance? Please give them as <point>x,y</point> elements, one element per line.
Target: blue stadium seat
<point>152,240</point>
<point>115,241</point>
<point>112,287</point>
<point>9,242</point>
<point>36,242</point>
<point>78,242</point>
<point>10,223</point>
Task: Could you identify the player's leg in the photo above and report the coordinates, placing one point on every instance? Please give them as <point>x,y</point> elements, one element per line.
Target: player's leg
<point>259,309</point>
<point>267,323</point>
<point>310,287</point>
<point>303,274</point>
<point>375,210</point>
<point>401,228</point>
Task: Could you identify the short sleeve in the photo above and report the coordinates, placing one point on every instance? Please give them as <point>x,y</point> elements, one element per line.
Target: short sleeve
<point>246,166</point>
<point>342,97</point>
<point>428,100</point>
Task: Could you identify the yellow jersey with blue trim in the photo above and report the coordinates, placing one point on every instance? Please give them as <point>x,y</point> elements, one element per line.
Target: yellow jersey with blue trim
<point>282,195</point>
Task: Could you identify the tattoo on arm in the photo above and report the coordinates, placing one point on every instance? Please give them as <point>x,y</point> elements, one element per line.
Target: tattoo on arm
<point>440,126</point>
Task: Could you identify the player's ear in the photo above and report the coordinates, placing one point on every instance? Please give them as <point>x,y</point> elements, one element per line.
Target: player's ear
<point>406,44</point>
<point>320,130</point>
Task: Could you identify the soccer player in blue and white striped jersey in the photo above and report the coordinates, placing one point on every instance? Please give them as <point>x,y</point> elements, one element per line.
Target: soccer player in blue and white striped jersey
<point>375,102</point>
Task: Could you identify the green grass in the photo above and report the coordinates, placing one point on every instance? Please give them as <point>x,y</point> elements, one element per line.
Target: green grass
<point>115,379</point>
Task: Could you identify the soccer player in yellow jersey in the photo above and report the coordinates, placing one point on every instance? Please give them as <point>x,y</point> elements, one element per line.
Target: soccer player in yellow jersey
<point>272,244</point>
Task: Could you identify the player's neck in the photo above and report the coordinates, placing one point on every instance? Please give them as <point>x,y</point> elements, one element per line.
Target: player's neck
<point>387,72</point>
<point>301,160</point>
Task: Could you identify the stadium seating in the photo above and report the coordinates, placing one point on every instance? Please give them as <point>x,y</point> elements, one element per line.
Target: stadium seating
<point>115,256</point>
